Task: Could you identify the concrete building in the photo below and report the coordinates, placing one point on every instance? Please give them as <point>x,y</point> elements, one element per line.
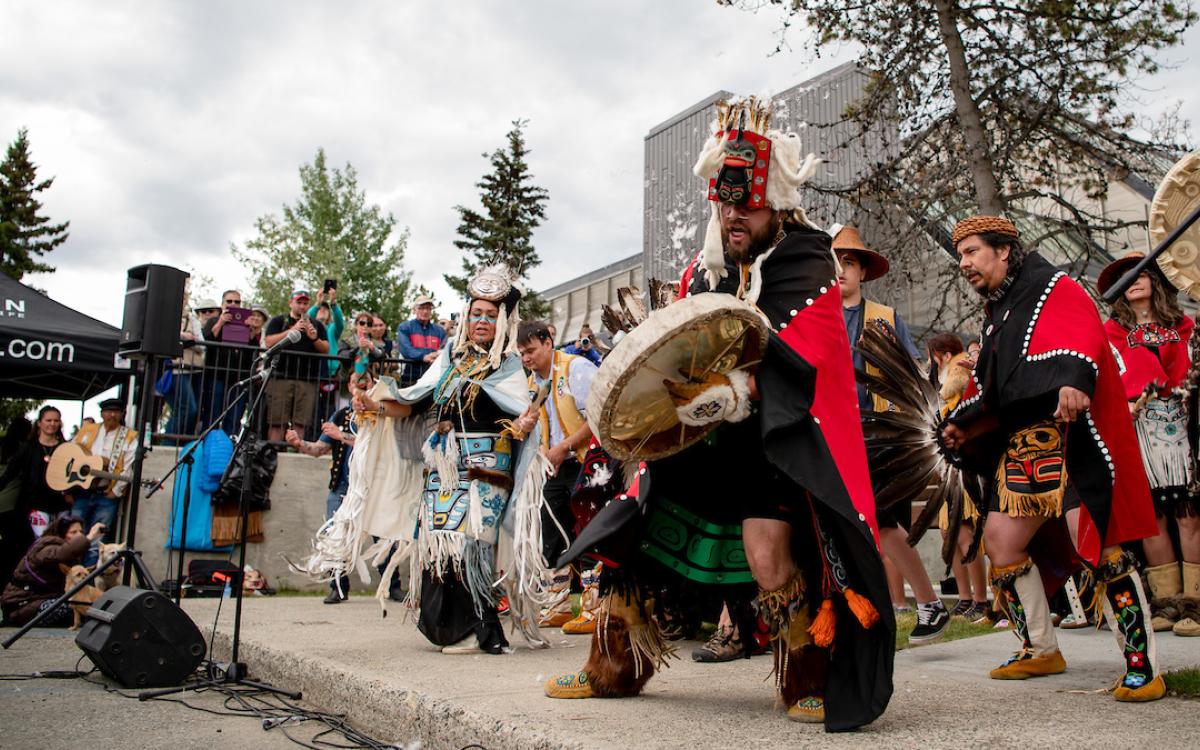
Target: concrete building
<point>676,207</point>
<point>927,293</point>
<point>578,301</point>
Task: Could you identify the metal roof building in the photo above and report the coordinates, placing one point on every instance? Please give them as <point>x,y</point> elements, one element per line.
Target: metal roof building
<point>578,301</point>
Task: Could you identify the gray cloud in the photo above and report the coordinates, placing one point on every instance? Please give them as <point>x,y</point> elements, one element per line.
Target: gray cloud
<point>171,126</point>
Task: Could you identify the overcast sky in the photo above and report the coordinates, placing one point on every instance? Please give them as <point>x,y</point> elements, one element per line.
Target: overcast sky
<point>170,126</point>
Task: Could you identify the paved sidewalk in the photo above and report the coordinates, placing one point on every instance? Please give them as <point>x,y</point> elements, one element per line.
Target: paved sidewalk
<point>58,714</point>
<point>393,684</point>
<point>347,658</point>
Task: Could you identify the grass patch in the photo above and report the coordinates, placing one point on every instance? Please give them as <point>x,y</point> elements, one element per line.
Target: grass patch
<point>959,629</point>
<point>905,622</point>
<point>296,592</point>
<point>1183,683</point>
<point>1187,679</point>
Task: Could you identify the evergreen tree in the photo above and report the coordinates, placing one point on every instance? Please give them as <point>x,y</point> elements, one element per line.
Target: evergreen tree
<point>11,408</point>
<point>25,234</point>
<point>503,232</point>
<point>423,291</point>
<point>331,232</point>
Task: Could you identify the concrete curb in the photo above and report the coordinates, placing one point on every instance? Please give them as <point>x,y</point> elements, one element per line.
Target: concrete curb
<point>383,710</point>
<point>390,682</point>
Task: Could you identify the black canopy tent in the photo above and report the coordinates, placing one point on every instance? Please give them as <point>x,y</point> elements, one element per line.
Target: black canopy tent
<point>48,350</point>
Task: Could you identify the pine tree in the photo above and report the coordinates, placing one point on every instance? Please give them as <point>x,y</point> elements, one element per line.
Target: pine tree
<point>11,408</point>
<point>330,233</point>
<point>25,234</point>
<point>503,232</point>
